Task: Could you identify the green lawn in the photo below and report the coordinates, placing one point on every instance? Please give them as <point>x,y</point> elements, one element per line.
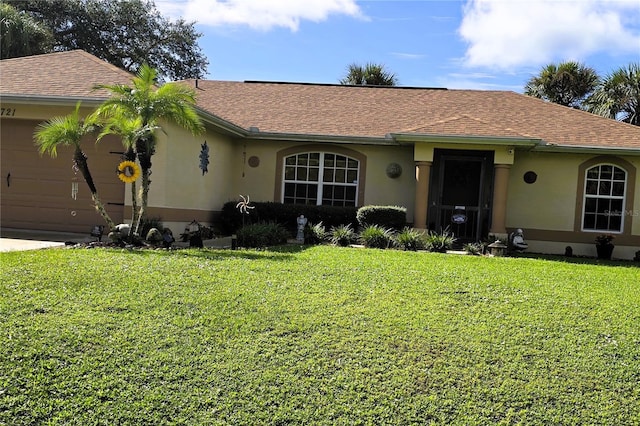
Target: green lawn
<point>321,335</point>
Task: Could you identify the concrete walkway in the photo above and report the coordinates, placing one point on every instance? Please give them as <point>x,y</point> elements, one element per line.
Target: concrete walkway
<point>24,239</point>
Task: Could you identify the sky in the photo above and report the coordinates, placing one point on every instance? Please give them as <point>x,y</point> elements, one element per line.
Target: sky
<point>457,44</point>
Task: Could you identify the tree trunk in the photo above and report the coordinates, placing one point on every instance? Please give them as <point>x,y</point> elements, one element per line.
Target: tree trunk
<point>80,160</point>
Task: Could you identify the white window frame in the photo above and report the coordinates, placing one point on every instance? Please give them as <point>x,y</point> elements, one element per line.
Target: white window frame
<point>321,169</point>
<point>622,197</point>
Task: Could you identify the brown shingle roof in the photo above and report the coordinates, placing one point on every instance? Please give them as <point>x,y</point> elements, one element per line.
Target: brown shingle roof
<point>60,74</point>
<point>377,111</point>
<point>334,110</point>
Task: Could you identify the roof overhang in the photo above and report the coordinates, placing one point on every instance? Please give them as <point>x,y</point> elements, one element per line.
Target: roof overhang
<point>51,100</point>
<point>580,149</point>
<point>318,138</point>
<point>413,138</point>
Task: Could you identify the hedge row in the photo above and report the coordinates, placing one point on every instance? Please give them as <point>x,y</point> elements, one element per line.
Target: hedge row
<point>230,219</point>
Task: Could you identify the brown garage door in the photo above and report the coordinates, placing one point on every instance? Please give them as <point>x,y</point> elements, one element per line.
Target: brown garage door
<point>39,192</point>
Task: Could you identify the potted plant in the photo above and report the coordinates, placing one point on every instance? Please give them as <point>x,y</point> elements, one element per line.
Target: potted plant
<point>604,246</point>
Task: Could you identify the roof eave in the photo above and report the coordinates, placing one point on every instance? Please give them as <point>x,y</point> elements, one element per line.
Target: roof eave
<point>582,149</point>
<point>221,124</point>
<point>50,100</point>
<point>466,139</point>
<point>319,138</point>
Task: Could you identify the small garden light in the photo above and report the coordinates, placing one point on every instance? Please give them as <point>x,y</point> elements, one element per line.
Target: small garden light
<point>497,248</point>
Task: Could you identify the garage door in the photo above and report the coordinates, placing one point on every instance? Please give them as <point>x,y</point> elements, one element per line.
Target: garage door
<point>40,192</point>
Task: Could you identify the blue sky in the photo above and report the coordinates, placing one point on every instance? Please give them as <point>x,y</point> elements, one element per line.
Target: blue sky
<point>458,44</point>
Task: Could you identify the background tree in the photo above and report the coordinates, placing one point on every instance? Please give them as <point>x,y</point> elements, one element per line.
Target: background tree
<point>125,33</point>
<point>568,83</point>
<point>21,35</point>
<point>618,95</point>
<point>370,74</point>
<point>70,131</point>
<point>146,104</point>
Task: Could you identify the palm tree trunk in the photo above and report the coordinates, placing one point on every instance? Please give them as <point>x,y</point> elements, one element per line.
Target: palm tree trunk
<point>144,196</point>
<point>80,160</point>
<point>103,212</point>
<point>135,213</point>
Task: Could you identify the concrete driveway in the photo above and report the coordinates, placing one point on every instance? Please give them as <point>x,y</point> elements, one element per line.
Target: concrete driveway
<point>22,239</point>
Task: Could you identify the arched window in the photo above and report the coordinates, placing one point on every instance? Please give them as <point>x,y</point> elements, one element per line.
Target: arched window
<point>604,198</point>
<point>320,178</point>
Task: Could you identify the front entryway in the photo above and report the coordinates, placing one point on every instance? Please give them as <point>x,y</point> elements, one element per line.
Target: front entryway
<point>460,193</point>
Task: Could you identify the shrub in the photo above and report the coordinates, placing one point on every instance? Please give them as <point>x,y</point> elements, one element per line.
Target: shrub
<point>440,242</point>
<point>410,239</point>
<point>391,217</point>
<point>230,218</point>
<point>475,249</point>
<point>262,235</point>
<point>147,223</point>
<point>375,236</point>
<point>315,234</point>
<point>342,235</point>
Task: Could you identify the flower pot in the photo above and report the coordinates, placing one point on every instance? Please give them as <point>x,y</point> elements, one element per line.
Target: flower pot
<point>604,251</point>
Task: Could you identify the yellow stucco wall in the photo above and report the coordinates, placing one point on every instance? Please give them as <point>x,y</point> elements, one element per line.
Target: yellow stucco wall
<point>259,182</point>
<point>178,181</point>
<point>550,202</point>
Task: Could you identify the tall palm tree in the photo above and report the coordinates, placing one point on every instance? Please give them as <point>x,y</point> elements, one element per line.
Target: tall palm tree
<point>129,130</point>
<point>618,96</point>
<point>369,75</point>
<point>146,102</point>
<point>567,83</point>
<point>69,131</point>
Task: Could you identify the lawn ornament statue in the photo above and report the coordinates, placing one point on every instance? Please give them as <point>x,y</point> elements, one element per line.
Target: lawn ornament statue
<point>516,240</point>
<point>302,222</point>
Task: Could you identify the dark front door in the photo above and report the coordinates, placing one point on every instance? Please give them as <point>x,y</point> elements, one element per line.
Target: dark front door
<point>461,193</point>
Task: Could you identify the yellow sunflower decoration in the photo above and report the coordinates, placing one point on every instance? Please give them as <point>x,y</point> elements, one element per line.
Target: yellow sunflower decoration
<point>128,171</point>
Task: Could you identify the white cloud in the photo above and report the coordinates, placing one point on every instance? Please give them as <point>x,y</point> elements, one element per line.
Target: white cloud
<point>508,34</point>
<point>258,14</point>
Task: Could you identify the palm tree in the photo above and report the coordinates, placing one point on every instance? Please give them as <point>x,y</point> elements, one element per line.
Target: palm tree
<point>618,96</point>
<point>149,104</point>
<point>369,75</point>
<point>69,131</point>
<point>567,83</point>
<point>129,130</point>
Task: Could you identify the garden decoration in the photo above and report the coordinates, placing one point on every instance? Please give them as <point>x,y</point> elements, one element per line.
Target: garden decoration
<point>302,222</point>
<point>497,248</point>
<point>243,207</point>
<point>604,246</point>
<point>128,171</point>
<point>516,240</point>
<point>204,158</point>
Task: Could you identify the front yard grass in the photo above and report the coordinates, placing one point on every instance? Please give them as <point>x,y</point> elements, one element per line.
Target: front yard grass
<point>319,335</point>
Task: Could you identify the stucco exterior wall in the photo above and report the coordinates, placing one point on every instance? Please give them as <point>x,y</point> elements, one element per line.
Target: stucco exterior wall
<point>178,181</point>
<point>260,182</point>
<point>550,202</point>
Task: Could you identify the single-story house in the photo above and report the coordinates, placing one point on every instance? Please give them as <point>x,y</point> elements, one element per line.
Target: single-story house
<point>479,162</point>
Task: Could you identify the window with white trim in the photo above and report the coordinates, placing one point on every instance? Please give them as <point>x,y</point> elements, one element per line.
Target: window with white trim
<point>320,178</point>
<point>604,193</point>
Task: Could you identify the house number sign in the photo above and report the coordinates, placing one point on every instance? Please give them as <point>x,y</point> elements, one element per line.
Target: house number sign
<point>7,112</point>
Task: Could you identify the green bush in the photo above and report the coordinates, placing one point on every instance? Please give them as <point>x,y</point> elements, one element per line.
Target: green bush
<point>262,235</point>
<point>230,218</point>
<point>475,249</point>
<point>410,239</point>
<point>315,234</point>
<point>390,217</point>
<point>342,235</point>
<point>375,236</point>
<point>440,242</point>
